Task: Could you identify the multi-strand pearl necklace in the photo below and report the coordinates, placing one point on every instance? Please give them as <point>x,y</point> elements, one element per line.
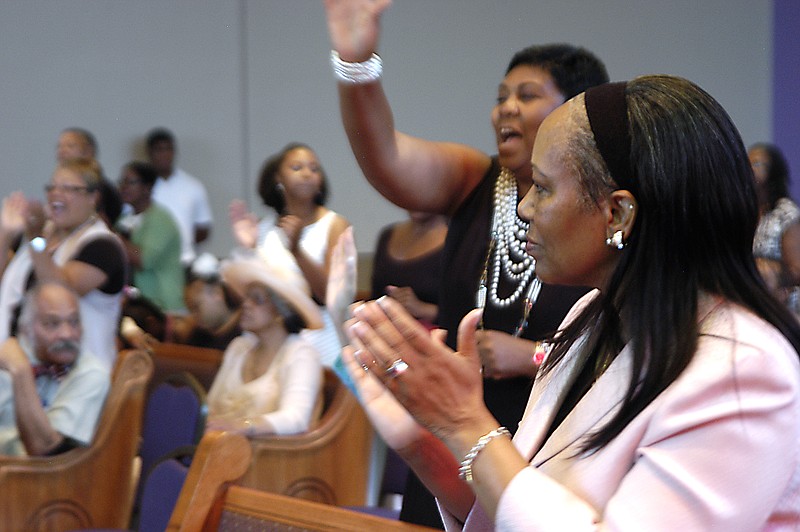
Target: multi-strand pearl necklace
<point>507,253</point>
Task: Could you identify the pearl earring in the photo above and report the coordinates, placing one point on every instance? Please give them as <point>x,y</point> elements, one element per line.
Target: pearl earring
<point>615,241</point>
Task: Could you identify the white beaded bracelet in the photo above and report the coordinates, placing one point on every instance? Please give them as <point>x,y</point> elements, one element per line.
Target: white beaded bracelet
<point>465,470</point>
<point>364,72</point>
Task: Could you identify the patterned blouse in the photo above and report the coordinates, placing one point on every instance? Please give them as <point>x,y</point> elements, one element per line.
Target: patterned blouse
<point>769,233</point>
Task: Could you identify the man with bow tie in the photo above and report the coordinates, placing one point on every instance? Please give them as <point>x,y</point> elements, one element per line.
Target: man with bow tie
<point>51,392</point>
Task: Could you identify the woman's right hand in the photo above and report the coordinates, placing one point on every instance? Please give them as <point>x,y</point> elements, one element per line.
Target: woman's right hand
<point>244,224</point>
<point>393,422</point>
<point>354,26</point>
<point>13,214</point>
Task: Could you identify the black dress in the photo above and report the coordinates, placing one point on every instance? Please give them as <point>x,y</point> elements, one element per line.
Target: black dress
<point>423,274</point>
<point>464,258</point>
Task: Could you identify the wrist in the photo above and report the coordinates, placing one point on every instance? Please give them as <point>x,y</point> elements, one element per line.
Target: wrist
<point>465,466</point>
<point>359,72</point>
<point>38,244</point>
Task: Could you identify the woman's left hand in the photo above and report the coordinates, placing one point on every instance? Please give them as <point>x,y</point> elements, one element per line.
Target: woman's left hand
<point>441,388</point>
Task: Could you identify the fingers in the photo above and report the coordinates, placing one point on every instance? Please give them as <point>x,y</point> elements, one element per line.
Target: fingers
<point>467,329</point>
<point>379,341</point>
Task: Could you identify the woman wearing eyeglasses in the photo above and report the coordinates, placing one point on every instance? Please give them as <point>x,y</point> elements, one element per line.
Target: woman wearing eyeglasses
<point>75,247</point>
<point>152,239</point>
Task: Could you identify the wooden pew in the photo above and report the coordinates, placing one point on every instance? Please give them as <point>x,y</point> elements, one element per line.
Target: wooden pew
<point>328,464</point>
<point>211,501</point>
<point>202,362</point>
<point>90,487</point>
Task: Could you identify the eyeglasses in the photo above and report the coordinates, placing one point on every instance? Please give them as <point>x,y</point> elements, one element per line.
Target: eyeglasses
<point>66,189</point>
<point>52,323</point>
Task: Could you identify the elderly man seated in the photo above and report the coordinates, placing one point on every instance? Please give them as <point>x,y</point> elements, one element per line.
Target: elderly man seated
<point>51,393</point>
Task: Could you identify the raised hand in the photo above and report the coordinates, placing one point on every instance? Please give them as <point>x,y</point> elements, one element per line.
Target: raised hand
<point>354,26</point>
<point>341,281</point>
<point>244,224</point>
<point>13,214</point>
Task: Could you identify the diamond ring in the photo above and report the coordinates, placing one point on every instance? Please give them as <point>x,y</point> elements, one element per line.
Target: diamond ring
<point>396,368</point>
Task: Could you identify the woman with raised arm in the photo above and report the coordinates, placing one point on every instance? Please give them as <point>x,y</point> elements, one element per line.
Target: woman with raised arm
<point>670,397</point>
<point>485,260</point>
<point>76,247</point>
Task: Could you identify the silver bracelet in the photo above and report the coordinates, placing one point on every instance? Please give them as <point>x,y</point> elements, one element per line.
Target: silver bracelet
<point>465,470</point>
<point>364,72</point>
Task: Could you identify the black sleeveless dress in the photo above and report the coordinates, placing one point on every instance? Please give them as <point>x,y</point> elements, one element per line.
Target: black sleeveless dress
<point>466,245</point>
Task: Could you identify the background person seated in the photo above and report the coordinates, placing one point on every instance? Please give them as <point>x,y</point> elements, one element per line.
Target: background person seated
<point>51,392</point>
<point>212,320</point>
<point>270,378</point>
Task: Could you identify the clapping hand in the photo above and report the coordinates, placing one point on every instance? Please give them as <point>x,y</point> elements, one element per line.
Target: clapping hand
<point>14,214</point>
<point>341,281</point>
<point>439,387</point>
<point>244,224</point>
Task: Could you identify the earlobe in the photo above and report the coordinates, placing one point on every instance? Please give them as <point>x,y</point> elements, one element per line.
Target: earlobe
<point>623,214</point>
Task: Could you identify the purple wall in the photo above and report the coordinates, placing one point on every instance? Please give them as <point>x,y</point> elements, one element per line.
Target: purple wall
<point>786,85</point>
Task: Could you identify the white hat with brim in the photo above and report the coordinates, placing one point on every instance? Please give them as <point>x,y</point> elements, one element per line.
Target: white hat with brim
<point>288,285</point>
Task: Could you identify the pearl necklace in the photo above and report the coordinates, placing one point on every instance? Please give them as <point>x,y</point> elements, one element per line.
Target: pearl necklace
<point>507,253</point>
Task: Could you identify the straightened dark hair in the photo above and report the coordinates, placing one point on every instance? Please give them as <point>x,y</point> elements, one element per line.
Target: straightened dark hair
<point>777,184</point>
<point>693,232</point>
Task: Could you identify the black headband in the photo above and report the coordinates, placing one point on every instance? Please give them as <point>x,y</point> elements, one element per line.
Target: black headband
<point>608,117</point>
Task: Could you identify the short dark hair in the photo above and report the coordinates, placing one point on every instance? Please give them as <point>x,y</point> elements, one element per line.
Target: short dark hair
<point>147,174</point>
<point>159,134</point>
<point>86,135</point>
<point>573,69</point>
<point>268,184</point>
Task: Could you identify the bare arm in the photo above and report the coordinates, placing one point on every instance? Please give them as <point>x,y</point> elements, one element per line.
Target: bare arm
<point>315,273</point>
<point>790,244</point>
<point>82,277</point>
<point>413,173</point>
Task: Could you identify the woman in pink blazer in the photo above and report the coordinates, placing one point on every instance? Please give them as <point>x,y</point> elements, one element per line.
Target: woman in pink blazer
<point>670,397</point>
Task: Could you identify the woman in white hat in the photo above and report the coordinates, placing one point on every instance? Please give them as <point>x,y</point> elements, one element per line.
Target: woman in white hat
<point>270,378</point>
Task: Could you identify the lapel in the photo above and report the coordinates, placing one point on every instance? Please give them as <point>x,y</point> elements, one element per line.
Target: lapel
<point>599,403</point>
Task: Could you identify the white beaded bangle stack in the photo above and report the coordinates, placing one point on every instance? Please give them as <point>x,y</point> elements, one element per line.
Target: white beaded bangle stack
<point>465,470</point>
<point>364,72</point>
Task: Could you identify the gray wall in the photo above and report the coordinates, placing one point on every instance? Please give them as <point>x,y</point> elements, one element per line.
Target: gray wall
<point>238,79</point>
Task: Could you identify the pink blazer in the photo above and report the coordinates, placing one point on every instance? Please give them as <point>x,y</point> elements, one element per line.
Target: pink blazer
<point>717,450</point>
